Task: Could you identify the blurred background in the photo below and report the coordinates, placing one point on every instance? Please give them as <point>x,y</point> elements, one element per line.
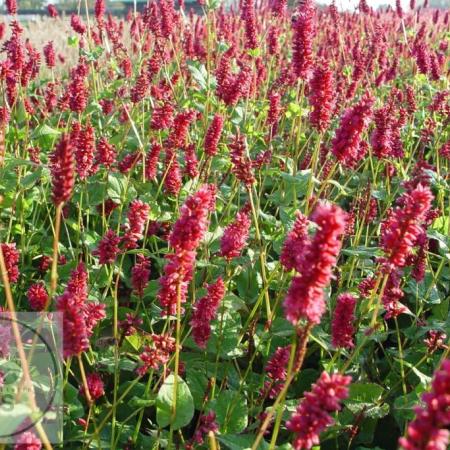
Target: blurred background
<point>39,7</point>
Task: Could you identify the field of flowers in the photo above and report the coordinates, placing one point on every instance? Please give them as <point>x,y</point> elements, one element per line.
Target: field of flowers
<point>243,217</point>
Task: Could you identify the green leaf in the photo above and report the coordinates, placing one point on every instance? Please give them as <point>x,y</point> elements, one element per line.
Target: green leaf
<point>404,407</point>
<point>240,442</point>
<point>440,311</point>
<point>231,411</point>
<point>200,75</point>
<point>425,380</point>
<point>362,251</point>
<point>365,392</point>
<point>198,383</point>
<point>45,130</point>
<point>137,402</point>
<point>164,403</point>
<point>117,184</point>
<point>255,52</point>
<point>71,397</point>
<point>225,334</point>
<point>369,410</point>
<point>31,178</point>
<point>72,41</point>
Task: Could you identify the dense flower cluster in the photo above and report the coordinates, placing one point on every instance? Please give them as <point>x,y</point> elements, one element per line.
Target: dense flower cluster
<point>11,6</point>
<point>108,248</point>
<point>403,226</point>
<point>5,337</point>
<point>342,329</point>
<point>313,414</point>
<point>173,179</point>
<point>137,218</point>
<point>49,54</point>
<point>346,144</point>
<point>83,141</point>
<point>321,96</point>
<point>276,369</point>
<point>242,165</point>
<point>11,256</point>
<point>428,431</point>
<point>205,311</point>
<point>295,241</point>
<point>52,11</point>
<point>79,315</point>
<point>95,385</point>
<point>186,235</point>
<point>156,355</point>
<point>77,24</point>
<point>248,16</point>
<point>37,296</point>
<point>303,34</point>
<point>273,115</point>
<point>207,423</point>
<point>106,153</point>
<point>435,340</point>
<point>305,297</point>
<point>151,161</point>
<point>140,274</point>
<point>28,441</point>
<point>232,87</point>
<point>213,135</point>
<point>236,234</point>
<point>62,168</point>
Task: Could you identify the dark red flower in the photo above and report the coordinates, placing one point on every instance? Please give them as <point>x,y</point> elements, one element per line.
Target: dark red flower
<point>172,180</point>
<point>162,117</point>
<point>185,237</point>
<point>52,11</point>
<point>79,316</point>
<point>37,296</point>
<point>190,161</point>
<point>249,18</point>
<point>84,142</point>
<point>302,36</point>
<point>242,165</point>
<point>305,298</point>
<point>77,24</point>
<point>401,229</point>
<point>342,329</point>
<point>313,414</point>
<point>140,274</point>
<point>11,256</point>
<point>11,7</point>
<point>158,354</point>
<point>204,311</point>
<point>106,153</point>
<point>62,169</point>
<point>95,385</point>
<point>236,234</point>
<point>294,244</point>
<point>151,161</point>
<point>213,135</point>
<point>346,144</point>
<point>28,441</point>
<point>207,423</point>
<point>49,54</point>
<point>321,96</point>
<point>108,248</point>
<point>429,430</point>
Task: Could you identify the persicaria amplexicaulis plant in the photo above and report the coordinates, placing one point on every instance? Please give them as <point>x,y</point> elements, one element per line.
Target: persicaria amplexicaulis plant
<point>235,208</point>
